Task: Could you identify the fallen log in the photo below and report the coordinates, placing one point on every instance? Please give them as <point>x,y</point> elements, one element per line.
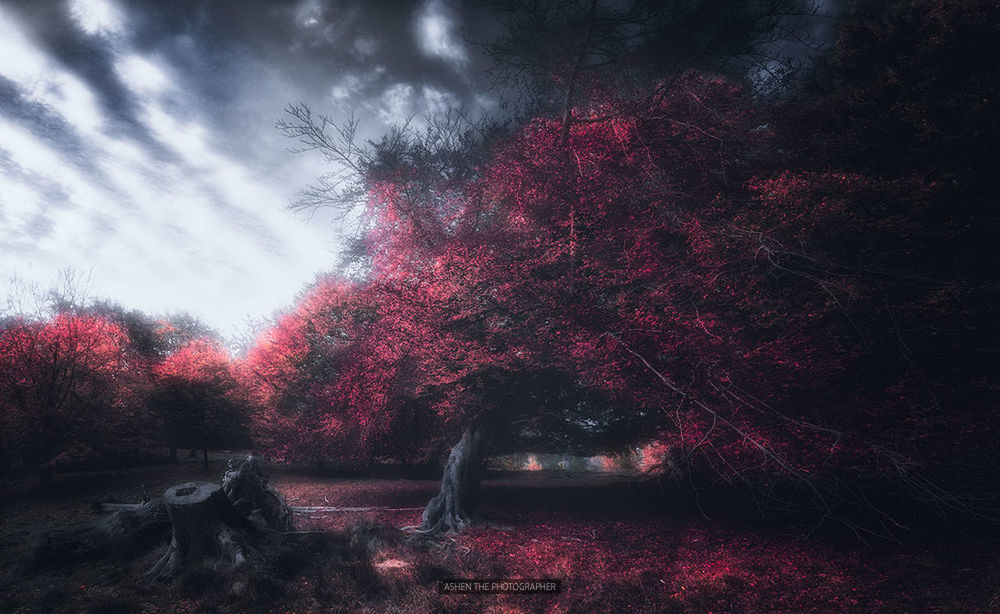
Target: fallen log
<point>125,531</point>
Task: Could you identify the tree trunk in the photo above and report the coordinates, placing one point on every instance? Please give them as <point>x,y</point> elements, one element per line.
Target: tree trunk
<point>126,530</point>
<point>204,457</point>
<point>206,529</point>
<point>451,510</point>
<point>173,453</point>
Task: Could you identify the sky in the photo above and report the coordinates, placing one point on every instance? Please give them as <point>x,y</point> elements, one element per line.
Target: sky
<point>138,146</point>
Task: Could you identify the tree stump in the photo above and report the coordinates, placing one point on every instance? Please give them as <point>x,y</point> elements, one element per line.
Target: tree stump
<point>207,529</point>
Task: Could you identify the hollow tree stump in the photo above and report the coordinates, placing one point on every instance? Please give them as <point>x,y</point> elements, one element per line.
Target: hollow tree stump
<point>207,530</point>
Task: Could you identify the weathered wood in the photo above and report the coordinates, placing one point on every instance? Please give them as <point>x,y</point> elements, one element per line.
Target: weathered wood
<point>228,527</point>
<point>452,509</point>
<point>252,495</point>
<point>206,529</point>
<point>127,529</point>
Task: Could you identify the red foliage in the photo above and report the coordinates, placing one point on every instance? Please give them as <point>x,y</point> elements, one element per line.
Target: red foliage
<point>333,379</point>
<point>70,388</point>
<point>777,302</point>
<point>198,397</point>
<point>758,314</point>
<point>201,361</point>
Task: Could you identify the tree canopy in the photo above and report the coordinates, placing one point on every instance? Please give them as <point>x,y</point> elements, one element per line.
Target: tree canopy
<point>787,287</point>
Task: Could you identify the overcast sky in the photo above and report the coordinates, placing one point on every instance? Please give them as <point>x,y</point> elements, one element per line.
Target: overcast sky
<point>138,147</point>
<point>137,139</point>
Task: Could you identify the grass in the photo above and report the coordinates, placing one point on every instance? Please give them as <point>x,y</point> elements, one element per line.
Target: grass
<point>616,547</point>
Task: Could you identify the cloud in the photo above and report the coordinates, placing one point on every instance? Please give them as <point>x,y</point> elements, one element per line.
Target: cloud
<point>435,30</point>
<point>436,101</point>
<point>97,17</point>
<point>365,46</point>
<point>137,139</point>
<point>142,75</point>
<point>20,207</point>
<point>355,85</point>
<point>197,230</point>
<point>396,104</point>
<point>402,102</point>
<point>308,13</point>
<point>42,80</point>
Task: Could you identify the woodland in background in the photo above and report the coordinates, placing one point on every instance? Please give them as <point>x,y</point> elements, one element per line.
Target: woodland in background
<point>796,293</point>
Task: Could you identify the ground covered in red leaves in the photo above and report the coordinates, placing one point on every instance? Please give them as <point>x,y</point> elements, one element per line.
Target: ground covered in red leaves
<point>614,546</point>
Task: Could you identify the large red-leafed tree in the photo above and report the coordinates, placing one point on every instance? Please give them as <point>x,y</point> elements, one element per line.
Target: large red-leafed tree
<point>772,310</point>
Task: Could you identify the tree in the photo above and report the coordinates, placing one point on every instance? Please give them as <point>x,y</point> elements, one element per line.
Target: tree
<point>896,138</point>
<point>332,380</point>
<point>712,279</point>
<point>472,274</point>
<point>480,274</point>
<point>71,388</point>
<point>908,88</point>
<point>198,400</point>
<point>579,255</point>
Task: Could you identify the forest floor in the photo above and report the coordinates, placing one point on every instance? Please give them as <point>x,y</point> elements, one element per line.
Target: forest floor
<point>615,548</point>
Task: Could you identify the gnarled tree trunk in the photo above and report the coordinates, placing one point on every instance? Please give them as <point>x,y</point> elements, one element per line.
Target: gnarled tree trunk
<point>452,509</point>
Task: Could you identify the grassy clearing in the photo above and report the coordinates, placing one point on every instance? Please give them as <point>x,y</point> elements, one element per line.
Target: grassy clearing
<point>616,547</point>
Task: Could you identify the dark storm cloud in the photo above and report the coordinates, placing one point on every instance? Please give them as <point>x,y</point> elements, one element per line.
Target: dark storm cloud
<point>224,53</point>
<point>44,123</point>
<point>89,57</point>
<point>220,47</point>
<point>315,41</point>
